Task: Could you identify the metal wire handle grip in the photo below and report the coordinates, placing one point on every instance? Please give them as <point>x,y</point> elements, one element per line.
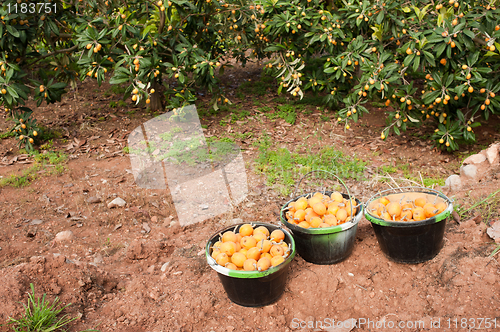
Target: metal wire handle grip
<point>330,173</point>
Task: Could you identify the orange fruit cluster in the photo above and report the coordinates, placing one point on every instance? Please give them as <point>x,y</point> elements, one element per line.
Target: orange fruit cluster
<point>251,249</point>
<point>407,207</point>
<point>320,210</point>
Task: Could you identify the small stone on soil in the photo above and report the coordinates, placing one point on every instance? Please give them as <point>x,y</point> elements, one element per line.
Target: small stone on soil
<point>117,202</point>
<point>64,236</point>
<point>36,222</point>
<point>93,200</point>
<point>469,171</point>
<point>146,227</point>
<point>164,267</point>
<point>98,259</point>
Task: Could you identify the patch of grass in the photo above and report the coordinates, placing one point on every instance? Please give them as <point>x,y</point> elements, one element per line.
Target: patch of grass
<point>324,118</point>
<point>287,113</point>
<point>40,315</point>
<point>239,115</point>
<point>487,207</point>
<point>118,90</point>
<point>52,163</point>
<point>191,152</point>
<point>259,88</point>
<point>47,134</point>
<point>426,181</point>
<point>280,100</point>
<point>284,168</point>
<point>309,100</point>
<point>47,146</point>
<point>7,134</point>
<point>242,136</point>
<point>122,103</point>
<point>265,109</point>
<point>112,104</point>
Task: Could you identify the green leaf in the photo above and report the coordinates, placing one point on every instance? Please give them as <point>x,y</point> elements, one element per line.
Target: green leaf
<point>59,85</point>
<point>13,31</point>
<point>469,33</point>
<point>416,63</point>
<point>440,19</point>
<point>439,49</point>
<point>329,70</point>
<point>11,91</point>
<point>408,60</point>
<point>472,59</point>
<point>380,17</point>
<point>412,119</point>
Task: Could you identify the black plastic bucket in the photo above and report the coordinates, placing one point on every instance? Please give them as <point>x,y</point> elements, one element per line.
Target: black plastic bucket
<point>252,288</point>
<point>411,242</point>
<point>324,245</point>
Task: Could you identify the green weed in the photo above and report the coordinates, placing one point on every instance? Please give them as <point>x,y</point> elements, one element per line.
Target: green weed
<point>7,134</point>
<point>40,315</point>
<point>52,163</point>
<point>284,168</point>
<point>487,207</point>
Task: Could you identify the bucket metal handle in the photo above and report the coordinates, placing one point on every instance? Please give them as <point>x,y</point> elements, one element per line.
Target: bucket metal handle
<point>336,177</point>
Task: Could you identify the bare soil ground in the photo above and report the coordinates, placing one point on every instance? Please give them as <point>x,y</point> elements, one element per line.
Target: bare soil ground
<point>135,269</point>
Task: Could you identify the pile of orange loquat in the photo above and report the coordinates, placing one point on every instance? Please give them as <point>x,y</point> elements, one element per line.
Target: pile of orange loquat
<point>321,210</point>
<point>251,249</point>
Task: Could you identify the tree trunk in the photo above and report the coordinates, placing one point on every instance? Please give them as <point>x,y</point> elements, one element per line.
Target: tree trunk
<point>155,104</point>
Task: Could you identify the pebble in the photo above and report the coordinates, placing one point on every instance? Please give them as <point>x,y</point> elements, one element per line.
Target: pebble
<point>453,182</point>
<point>36,222</point>
<point>64,236</point>
<point>117,202</point>
<point>468,171</point>
<point>93,200</point>
<point>164,267</point>
<point>98,259</point>
<point>474,159</point>
<point>492,153</point>
<point>236,221</point>
<point>146,228</point>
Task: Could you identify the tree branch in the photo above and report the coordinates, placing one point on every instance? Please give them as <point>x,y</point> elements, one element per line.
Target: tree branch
<point>72,48</point>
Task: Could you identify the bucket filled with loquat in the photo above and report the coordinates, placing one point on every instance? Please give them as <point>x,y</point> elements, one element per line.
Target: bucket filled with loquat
<point>251,261</point>
<point>323,223</point>
<point>409,222</point>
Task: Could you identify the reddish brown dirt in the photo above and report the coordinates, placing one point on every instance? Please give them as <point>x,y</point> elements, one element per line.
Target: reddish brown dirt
<point>111,271</point>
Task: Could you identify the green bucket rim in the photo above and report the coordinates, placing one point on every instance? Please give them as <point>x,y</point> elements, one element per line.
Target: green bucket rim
<point>248,274</point>
<point>437,218</point>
